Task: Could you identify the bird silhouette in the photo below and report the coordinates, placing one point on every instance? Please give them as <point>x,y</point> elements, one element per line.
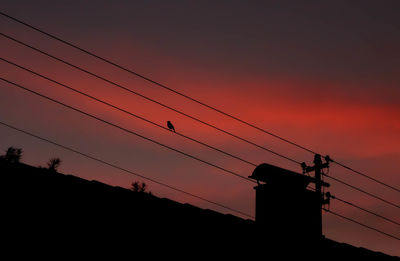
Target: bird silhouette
<point>170,126</point>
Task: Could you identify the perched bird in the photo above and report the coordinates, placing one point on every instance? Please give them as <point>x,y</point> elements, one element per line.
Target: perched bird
<point>170,126</point>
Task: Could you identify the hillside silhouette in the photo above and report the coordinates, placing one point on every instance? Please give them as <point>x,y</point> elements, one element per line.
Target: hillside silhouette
<point>42,203</point>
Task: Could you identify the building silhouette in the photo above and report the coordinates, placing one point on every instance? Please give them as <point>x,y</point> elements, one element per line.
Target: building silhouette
<point>284,206</point>
<point>50,208</point>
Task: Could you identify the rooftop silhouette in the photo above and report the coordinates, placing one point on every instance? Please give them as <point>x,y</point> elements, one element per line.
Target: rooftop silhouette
<point>41,202</point>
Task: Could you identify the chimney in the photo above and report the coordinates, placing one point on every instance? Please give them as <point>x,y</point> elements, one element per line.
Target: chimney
<point>285,208</point>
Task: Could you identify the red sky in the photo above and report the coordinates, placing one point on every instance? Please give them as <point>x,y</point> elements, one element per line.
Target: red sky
<point>323,75</point>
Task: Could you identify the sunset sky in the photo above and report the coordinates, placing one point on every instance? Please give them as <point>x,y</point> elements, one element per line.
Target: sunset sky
<point>324,74</point>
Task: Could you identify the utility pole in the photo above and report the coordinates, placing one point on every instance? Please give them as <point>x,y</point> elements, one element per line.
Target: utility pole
<point>317,168</point>
<point>318,188</point>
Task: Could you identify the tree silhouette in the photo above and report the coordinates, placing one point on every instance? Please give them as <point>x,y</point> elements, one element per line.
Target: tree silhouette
<point>137,187</point>
<point>13,155</point>
<point>53,164</point>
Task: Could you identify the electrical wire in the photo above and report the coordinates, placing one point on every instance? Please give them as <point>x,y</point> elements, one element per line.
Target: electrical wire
<point>153,122</point>
<point>125,170</point>
<point>124,111</point>
<point>363,209</point>
<point>338,163</point>
<point>152,81</point>
<point>363,191</point>
<point>128,131</point>
<point>112,165</point>
<point>366,210</point>
<point>366,176</point>
<point>189,97</point>
<point>149,99</point>
<point>244,122</point>
<point>361,224</point>
<point>360,208</point>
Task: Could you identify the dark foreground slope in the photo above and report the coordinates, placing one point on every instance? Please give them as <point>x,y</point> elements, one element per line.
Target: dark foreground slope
<point>42,208</point>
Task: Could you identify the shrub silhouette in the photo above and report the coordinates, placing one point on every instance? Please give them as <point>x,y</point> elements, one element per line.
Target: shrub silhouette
<point>13,155</point>
<point>137,187</point>
<point>53,164</point>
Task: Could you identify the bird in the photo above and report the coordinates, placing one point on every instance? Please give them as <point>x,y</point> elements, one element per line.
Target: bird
<point>170,126</point>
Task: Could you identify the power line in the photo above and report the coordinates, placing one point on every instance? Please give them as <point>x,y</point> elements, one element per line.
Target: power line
<point>88,156</point>
<point>128,131</point>
<point>361,224</point>
<point>366,176</point>
<point>185,96</point>
<point>171,187</point>
<point>179,93</point>
<point>360,208</point>
<point>363,191</point>
<point>191,98</point>
<point>82,93</point>
<point>166,185</point>
<point>125,170</point>
<point>213,108</point>
<point>153,81</point>
<point>363,209</point>
<point>149,99</point>
<point>115,107</point>
<point>124,111</point>
<point>366,210</point>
